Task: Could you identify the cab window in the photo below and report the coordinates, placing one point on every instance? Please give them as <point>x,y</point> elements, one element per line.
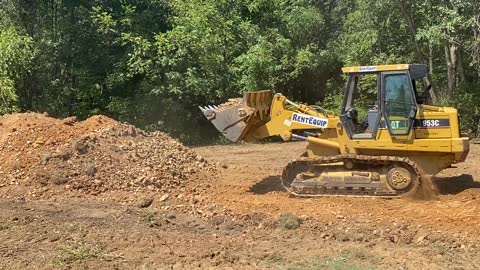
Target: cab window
<point>400,105</point>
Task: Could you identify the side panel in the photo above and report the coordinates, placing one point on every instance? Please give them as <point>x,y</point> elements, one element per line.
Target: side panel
<point>437,124</point>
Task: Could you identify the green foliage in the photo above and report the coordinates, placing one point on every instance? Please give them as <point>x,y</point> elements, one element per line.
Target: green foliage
<point>467,102</point>
<point>371,35</point>
<point>289,221</point>
<point>15,58</point>
<point>74,253</point>
<point>152,62</point>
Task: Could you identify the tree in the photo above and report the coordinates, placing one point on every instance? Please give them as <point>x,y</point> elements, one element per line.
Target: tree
<point>15,59</point>
<point>151,62</point>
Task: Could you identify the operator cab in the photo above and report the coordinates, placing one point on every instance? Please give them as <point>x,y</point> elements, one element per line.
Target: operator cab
<point>381,97</point>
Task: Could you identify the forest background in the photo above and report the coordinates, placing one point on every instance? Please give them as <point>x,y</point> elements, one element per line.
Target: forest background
<point>152,62</point>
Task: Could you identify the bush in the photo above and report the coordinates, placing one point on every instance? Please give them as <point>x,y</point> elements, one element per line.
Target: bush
<point>289,221</point>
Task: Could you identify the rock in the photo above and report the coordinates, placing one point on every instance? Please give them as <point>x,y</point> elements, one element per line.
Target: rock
<point>45,158</point>
<point>133,131</point>
<point>146,202</point>
<point>178,266</point>
<point>420,239</point>
<point>344,237</point>
<point>394,238</point>
<point>16,165</point>
<point>196,199</point>
<point>359,237</point>
<point>164,197</point>
<point>90,169</point>
<point>95,156</point>
<point>69,120</point>
<point>58,179</point>
<point>39,142</point>
<point>81,146</point>
<point>64,155</point>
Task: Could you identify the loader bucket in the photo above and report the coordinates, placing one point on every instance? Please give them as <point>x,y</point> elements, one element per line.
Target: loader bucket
<point>235,118</point>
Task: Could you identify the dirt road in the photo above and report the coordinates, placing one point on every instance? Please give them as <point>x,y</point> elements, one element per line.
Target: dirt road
<point>251,182</point>
<point>239,221</point>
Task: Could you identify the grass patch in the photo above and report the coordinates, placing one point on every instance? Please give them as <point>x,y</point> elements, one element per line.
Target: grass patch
<point>289,221</point>
<point>75,253</point>
<point>344,261</point>
<point>151,220</point>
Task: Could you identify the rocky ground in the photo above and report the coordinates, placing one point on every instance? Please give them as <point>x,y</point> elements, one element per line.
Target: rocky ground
<point>43,157</point>
<point>99,194</point>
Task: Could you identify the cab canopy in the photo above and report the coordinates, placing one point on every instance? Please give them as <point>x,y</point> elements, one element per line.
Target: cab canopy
<point>417,71</point>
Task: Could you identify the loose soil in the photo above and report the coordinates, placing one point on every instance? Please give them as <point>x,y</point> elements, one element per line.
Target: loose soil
<point>42,157</point>
<point>252,182</point>
<point>149,202</point>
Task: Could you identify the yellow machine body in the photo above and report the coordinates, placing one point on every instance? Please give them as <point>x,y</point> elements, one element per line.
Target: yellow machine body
<point>428,136</point>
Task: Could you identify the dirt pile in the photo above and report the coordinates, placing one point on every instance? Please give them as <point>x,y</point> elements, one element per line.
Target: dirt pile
<point>231,102</point>
<point>94,156</point>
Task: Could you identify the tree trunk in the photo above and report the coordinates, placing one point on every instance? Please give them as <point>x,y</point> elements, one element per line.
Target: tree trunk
<point>450,58</point>
<point>412,31</point>
<point>461,71</point>
<point>431,96</point>
<point>430,58</point>
<point>476,49</point>
<point>418,52</point>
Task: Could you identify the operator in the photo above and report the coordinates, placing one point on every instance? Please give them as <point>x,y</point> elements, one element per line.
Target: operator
<point>364,123</point>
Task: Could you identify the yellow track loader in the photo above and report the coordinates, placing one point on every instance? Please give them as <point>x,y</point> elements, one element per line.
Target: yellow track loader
<point>383,143</point>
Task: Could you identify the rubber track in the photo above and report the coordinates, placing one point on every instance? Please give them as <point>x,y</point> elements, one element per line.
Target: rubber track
<point>364,159</point>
